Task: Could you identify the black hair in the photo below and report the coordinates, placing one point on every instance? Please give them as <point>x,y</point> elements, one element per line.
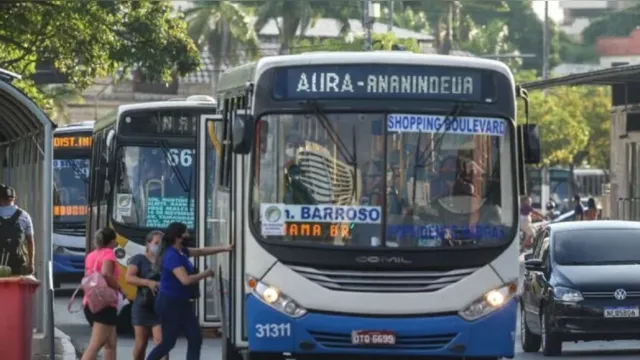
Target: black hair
<point>173,231</point>
<point>576,197</point>
<point>591,203</point>
<point>104,237</point>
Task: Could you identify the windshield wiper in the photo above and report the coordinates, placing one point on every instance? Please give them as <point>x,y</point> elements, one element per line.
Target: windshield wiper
<point>326,125</point>
<point>185,186</point>
<point>442,130</point>
<point>77,171</point>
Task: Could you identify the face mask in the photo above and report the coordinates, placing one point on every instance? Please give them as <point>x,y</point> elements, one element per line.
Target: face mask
<point>154,248</point>
<point>290,152</point>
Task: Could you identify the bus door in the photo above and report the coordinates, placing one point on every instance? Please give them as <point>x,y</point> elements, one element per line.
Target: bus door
<point>208,148</point>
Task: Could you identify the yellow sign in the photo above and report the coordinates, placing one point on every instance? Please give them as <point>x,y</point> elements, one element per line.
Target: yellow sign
<point>301,229</point>
<point>70,210</point>
<point>72,142</point>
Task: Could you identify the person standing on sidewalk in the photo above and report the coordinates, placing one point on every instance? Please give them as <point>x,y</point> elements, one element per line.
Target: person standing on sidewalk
<point>103,330</point>
<point>16,233</point>
<point>178,289</point>
<point>141,273</point>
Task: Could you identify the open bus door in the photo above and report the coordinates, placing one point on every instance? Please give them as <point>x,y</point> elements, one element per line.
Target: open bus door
<point>208,147</point>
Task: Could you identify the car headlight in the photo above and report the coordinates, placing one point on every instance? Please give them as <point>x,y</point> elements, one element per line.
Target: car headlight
<point>273,297</point>
<point>489,302</point>
<point>566,294</point>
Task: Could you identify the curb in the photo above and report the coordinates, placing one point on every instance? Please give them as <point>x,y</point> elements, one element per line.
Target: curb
<point>64,348</point>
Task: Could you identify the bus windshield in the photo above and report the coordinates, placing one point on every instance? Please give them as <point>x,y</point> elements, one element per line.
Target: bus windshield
<point>70,185</point>
<point>155,186</point>
<point>321,178</point>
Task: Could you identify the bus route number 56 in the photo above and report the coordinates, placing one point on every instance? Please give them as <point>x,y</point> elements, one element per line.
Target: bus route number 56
<point>181,157</point>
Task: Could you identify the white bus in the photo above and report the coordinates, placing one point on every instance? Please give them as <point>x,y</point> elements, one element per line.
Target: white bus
<point>325,264</point>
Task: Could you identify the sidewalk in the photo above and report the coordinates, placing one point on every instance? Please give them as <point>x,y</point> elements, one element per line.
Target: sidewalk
<point>64,348</point>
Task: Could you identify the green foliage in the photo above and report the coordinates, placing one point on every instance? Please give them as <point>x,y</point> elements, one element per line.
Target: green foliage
<point>380,42</point>
<point>89,39</point>
<point>618,23</point>
<point>572,119</point>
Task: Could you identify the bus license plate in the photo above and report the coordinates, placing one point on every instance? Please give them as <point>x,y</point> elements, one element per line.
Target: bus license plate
<point>364,337</point>
<point>621,312</point>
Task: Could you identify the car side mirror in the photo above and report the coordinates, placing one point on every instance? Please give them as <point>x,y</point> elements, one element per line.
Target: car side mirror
<point>533,265</point>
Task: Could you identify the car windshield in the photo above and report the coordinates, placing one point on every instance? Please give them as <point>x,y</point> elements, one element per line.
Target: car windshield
<point>320,179</point>
<point>70,186</point>
<point>597,247</point>
<point>155,186</point>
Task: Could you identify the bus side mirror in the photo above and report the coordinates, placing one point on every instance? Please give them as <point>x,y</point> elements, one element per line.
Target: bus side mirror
<point>530,143</point>
<point>242,131</point>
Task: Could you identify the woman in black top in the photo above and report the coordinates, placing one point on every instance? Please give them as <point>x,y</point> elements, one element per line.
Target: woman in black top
<point>140,273</point>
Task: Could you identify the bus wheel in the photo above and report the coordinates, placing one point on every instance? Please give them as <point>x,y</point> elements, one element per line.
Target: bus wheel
<point>123,326</point>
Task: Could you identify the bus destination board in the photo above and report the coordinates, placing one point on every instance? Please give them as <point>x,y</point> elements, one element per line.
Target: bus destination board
<point>377,81</point>
<point>164,122</point>
<point>72,142</point>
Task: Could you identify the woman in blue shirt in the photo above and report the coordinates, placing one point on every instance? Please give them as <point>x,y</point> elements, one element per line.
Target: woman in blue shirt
<point>176,290</point>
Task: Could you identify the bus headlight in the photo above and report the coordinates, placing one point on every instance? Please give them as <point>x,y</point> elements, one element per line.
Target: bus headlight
<point>273,297</point>
<point>489,302</point>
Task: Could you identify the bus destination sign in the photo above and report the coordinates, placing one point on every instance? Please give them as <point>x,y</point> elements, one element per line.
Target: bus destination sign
<point>72,142</point>
<point>179,122</point>
<point>376,81</point>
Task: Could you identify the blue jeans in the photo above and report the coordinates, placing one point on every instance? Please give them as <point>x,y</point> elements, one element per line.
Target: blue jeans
<point>177,316</point>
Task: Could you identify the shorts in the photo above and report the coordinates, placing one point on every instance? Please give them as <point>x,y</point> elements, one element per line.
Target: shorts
<point>141,316</point>
<point>106,316</point>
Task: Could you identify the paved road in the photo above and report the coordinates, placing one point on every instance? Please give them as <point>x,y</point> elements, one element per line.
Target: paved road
<point>75,326</point>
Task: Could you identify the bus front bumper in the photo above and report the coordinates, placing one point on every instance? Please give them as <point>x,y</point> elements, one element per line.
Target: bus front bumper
<point>448,336</point>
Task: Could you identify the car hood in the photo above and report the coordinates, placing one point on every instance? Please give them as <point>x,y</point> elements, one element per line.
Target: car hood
<point>598,277</point>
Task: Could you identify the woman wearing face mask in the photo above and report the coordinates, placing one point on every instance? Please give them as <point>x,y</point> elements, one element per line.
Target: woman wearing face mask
<point>140,273</point>
<point>173,303</point>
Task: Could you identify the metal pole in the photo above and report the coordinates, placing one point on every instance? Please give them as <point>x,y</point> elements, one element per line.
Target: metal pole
<point>367,25</point>
<point>390,25</point>
<point>545,43</point>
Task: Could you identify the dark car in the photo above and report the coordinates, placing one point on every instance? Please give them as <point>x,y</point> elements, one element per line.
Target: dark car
<point>581,283</point>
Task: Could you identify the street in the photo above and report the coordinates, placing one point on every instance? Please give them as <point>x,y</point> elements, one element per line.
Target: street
<point>76,327</point>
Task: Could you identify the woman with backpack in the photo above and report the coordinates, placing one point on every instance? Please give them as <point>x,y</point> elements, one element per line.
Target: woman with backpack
<point>102,261</point>
<point>178,287</point>
<point>142,273</point>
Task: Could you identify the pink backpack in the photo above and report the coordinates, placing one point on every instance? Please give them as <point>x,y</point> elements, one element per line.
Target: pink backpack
<point>98,293</point>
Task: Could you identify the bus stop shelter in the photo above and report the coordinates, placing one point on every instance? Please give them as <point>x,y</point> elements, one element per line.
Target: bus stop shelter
<point>624,196</point>
<point>26,153</point>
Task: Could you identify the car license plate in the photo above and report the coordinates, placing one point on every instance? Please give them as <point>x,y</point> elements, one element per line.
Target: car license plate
<point>621,312</point>
<point>373,338</point>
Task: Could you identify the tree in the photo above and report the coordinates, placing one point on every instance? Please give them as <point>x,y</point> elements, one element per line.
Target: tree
<point>380,42</point>
<point>223,28</point>
<point>617,23</point>
<point>296,15</point>
<point>89,39</point>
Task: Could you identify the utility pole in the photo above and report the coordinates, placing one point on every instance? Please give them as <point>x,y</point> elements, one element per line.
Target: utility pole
<point>367,25</point>
<point>447,44</point>
<point>545,188</point>
<point>390,25</point>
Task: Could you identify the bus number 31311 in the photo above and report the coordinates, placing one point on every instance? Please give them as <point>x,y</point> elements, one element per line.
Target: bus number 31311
<point>273,330</point>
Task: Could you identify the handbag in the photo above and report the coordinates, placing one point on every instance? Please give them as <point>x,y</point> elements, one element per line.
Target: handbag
<point>98,293</point>
<point>194,288</point>
<point>147,296</point>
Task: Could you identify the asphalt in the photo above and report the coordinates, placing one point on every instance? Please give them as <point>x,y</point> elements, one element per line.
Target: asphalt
<point>75,326</point>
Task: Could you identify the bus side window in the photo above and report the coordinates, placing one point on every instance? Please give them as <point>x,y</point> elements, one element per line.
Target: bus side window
<point>97,178</point>
<point>226,147</point>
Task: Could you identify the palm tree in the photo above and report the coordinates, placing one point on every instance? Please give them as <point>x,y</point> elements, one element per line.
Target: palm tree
<point>291,15</point>
<point>223,28</point>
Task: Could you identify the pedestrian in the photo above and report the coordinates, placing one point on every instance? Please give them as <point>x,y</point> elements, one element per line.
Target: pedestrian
<point>578,210</point>
<point>178,287</point>
<point>526,221</point>
<point>592,210</point>
<point>103,331</point>
<point>142,273</point>
<point>16,234</point>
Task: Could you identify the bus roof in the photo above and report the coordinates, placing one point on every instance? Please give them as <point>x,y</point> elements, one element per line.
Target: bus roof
<point>249,73</point>
<point>112,116</point>
<point>82,126</point>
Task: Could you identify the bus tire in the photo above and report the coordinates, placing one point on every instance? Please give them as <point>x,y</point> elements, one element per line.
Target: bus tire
<point>123,326</point>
